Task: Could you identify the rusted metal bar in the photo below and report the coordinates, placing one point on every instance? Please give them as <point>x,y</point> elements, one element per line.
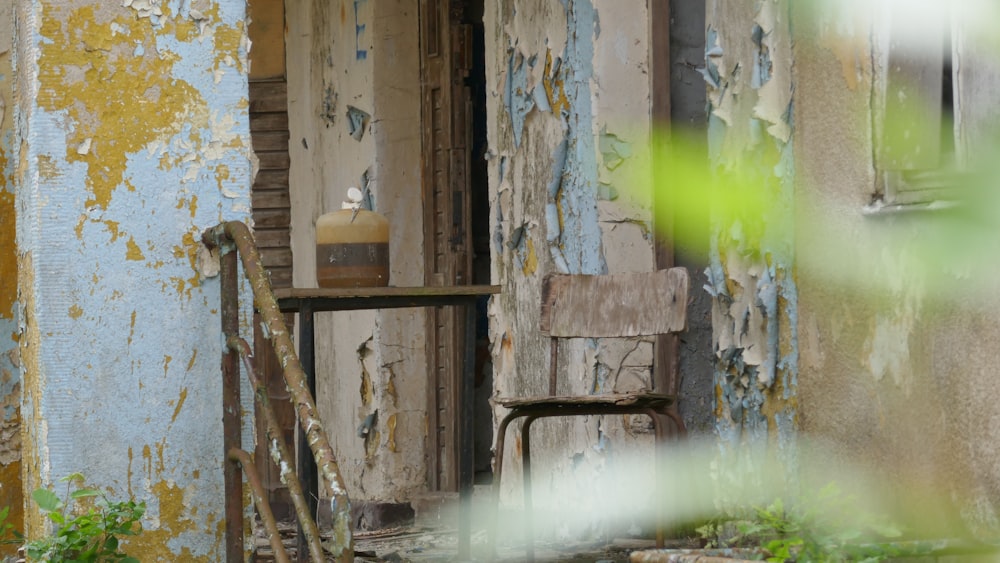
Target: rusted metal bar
<point>281,455</point>
<point>231,424</point>
<point>260,499</point>
<point>341,544</point>
<point>305,465</point>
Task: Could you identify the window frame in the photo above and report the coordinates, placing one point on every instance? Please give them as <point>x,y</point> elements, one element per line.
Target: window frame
<point>912,77</point>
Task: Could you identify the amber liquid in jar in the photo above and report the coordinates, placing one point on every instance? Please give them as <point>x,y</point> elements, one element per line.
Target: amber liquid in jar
<point>352,253</point>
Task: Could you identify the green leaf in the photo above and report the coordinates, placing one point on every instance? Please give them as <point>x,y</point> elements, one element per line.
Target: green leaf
<point>78,477</point>
<point>57,517</point>
<point>83,493</point>
<point>46,500</point>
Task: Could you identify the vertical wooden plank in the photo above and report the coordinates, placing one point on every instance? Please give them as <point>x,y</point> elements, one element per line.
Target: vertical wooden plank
<point>666,360</point>
<point>446,56</point>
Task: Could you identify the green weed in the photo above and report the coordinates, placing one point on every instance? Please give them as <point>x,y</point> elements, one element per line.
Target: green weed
<point>85,534</point>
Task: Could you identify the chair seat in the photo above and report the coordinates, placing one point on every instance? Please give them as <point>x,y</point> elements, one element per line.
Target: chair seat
<point>637,400</point>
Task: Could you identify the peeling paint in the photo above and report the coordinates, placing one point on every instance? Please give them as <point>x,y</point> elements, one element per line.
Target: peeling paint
<point>749,277</point>
<point>360,53</point>
<point>357,122</point>
<point>122,109</point>
<point>572,101</point>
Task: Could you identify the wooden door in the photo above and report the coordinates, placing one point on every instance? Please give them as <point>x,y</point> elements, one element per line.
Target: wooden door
<point>446,46</point>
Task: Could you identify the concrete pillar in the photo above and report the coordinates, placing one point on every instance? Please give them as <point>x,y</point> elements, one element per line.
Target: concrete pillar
<point>131,138</point>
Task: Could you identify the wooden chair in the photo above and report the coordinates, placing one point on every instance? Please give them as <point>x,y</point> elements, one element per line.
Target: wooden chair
<point>604,306</point>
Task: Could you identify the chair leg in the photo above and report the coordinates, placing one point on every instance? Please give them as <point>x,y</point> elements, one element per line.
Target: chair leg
<point>659,438</point>
<point>675,415</point>
<point>497,473</point>
<point>529,536</point>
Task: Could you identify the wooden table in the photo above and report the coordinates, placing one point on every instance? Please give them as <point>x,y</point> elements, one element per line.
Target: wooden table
<point>306,302</point>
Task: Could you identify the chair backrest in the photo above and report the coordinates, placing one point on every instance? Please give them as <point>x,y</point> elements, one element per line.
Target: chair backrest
<point>615,305</point>
<point>612,305</point>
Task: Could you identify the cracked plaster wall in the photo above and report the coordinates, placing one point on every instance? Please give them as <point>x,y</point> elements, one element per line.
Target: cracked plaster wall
<point>568,104</point>
<point>896,376</point>
<point>347,60</point>
<point>131,137</point>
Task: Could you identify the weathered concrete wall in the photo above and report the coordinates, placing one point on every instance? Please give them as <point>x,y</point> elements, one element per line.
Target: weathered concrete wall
<point>10,379</point>
<point>353,67</point>
<point>688,120</point>
<point>893,374</point>
<point>132,137</point>
<point>568,104</point>
<point>748,71</point>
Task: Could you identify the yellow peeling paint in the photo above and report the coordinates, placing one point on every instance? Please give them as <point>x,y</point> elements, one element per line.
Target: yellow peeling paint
<point>8,250</point>
<point>190,364</point>
<point>390,388</point>
<point>531,260</point>
<point>112,228</point>
<point>47,167</point>
<point>189,248</point>
<point>166,364</point>
<point>555,90</point>
<point>134,252</point>
<point>371,445</point>
<point>221,175</point>
<point>192,204</point>
<point>367,389</point>
<point>391,423</point>
<point>180,403</point>
<point>33,450</point>
<point>75,312</point>
<point>129,474</point>
<point>10,476</point>
<point>175,517</point>
<point>227,44</point>
<point>131,329</point>
<point>84,68</point>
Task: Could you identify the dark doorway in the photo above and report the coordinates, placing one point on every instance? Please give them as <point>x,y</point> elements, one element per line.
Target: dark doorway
<point>456,212</point>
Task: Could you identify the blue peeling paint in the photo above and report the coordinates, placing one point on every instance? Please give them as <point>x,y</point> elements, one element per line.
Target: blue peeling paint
<point>745,389</point>
<point>788,364</point>
<point>357,121</point>
<point>146,329</point>
<point>614,149</point>
<point>767,301</point>
<point>581,234</point>
<point>552,231</point>
<point>761,69</point>
<point>712,49</point>
<point>558,165</point>
<point>498,231</point>
<point>541,98</point>
<point>517,98</point>
<point>359,33</point>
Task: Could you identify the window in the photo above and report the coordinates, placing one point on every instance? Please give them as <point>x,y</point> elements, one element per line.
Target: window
<point>936,109</point>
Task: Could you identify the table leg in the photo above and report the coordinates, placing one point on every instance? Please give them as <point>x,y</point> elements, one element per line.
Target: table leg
<point>466,435</point>
<point>305,463</point>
